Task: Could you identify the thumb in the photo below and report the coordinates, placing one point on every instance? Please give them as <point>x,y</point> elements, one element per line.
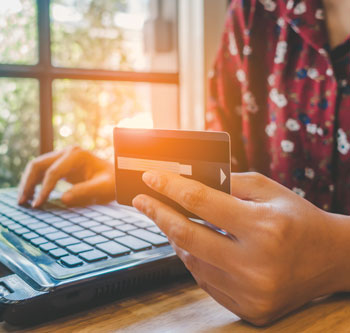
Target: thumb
<point>94,191</point>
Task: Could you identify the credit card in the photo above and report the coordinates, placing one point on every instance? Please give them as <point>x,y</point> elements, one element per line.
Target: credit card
<point>198,155</point>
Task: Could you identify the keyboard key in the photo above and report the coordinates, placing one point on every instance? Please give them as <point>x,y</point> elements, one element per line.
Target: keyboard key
<point>113,249</point>
<point>131,219</point>
<point>113,234</point>
<point>21,231</point>
<point>47,246</point>
<point>13,226</point>
<point>102,218</point>
<point>38,241</point>
<point>73,228</point>
<point>29,220</point>
<point>58,253</point>
<point>91,214</point>
<point>155,229</point>
<point>126,227</point>
<point>114,223</point>
<point>92,256</point>
<point>79,219</point>
<point>47,230</point>
<point>80,210</point>
<point>150,237</point>
<point>52,219</point>
<point>95,239</point>
<point>79,248</point>
<point>67,241</point>
<point>115,213</point>
<point>30,235</point>
<point>56,235</point>
<point>6,222</point>
<point>89,224</point>
<point>134,243</point>
<point>83,234</point>
<point>43,215</point>
<point>63,224</point>
<point>101,228</point>
<point>144,224</point>
<point>71,261</point>
<point>67,215</point>
<point>36,225</point>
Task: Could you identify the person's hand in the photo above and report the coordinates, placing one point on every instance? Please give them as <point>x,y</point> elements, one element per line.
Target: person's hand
<point>93,178</point>
<point>282,251</point>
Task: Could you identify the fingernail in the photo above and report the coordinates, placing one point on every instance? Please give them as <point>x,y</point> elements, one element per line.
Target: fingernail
<point>36,203</point>
<point>21,200</point>
<point>67,197</point>
<point>138,202</point>
<point>149,178</point>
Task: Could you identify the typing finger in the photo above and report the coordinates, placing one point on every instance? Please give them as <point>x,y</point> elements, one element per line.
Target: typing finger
<point>34,174</point>
<point>56,171</point>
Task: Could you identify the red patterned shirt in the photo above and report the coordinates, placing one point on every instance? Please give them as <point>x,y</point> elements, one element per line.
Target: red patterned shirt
<point>284,97</point>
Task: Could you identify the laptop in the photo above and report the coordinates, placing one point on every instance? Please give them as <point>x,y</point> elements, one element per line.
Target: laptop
<point>58,260</point>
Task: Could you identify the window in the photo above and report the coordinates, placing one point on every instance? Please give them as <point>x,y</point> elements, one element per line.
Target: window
<point>71,70</point>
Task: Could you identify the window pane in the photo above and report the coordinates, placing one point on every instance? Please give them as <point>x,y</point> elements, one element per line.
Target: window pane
<point>85,112</point>
<point>18,32</point>
<point>109,34</point>
<point>19,127</point>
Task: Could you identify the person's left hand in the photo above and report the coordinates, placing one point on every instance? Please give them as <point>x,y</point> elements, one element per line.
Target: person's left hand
<point>283,251</point>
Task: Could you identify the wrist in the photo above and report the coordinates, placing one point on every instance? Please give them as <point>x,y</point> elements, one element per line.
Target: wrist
<point>339,253</point>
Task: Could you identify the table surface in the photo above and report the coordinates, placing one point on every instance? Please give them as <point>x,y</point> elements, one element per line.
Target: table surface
<point>186,308</point>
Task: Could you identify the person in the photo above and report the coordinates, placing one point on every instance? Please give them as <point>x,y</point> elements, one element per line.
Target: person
<point>280,87</point>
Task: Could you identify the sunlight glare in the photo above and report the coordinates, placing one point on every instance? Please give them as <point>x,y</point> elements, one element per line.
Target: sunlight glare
<point>10,7</point>
<point>140,120</point>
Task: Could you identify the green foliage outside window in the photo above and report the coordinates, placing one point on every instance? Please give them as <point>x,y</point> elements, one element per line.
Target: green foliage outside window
<point>83,111</point>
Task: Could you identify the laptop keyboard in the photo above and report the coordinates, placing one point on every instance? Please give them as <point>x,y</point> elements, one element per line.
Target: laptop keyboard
<point>80,236</point>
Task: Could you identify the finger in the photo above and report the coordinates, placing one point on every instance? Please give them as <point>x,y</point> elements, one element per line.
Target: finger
<point>219,208</point>
<point>197,239</point>
<point>53,174</point>
<point>253,186</point>
<point>33,175</point>
<point>94,191</point>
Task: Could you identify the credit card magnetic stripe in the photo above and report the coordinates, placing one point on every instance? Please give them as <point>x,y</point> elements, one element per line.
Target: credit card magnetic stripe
<point>138,164</point>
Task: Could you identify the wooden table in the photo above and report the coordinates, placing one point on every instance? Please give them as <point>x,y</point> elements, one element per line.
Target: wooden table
<point>186,308</point>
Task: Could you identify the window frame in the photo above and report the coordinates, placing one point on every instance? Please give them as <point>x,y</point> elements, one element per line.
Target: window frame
<point>201,24</point>
<point>46,73</point>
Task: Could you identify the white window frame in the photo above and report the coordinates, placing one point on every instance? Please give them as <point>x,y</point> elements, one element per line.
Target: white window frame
<point>200,25</point>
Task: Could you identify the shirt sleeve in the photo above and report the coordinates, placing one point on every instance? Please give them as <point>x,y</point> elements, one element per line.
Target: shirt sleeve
<point>224,111</point>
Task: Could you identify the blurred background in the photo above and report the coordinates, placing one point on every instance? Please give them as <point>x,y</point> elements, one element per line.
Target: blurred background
<point>71,70</point>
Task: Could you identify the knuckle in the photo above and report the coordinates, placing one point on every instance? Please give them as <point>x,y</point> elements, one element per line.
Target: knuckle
<point>275,228</point>
<point>257,178</point>
<point>183,236</point>
<point>162,183</point>
<point>151,212</point>
<point>193,197</point>
<point>52,173</point>
<point>33,165</point>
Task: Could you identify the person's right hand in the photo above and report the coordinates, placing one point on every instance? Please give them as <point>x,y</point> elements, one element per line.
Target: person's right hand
<point>93,178</point>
